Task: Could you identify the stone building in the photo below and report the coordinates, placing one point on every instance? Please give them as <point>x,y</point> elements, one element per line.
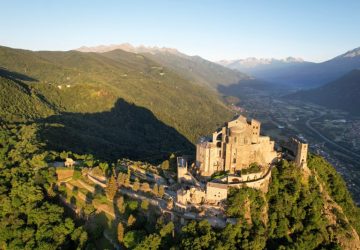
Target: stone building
<point>297,151</point>
<point>216,192</point>
<point>234,147</point>
<point>183,175</point>
<point>192,195</point>
<point>69,162</point>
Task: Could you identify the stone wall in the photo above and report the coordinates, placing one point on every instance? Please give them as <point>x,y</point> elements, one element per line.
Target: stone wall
<point>216,192</point>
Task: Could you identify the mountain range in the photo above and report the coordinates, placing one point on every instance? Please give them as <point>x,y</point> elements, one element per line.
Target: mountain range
<point>296,72</point>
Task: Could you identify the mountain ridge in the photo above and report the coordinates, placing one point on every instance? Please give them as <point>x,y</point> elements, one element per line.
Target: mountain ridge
<point>343,93</point>
<point>305,75</point>
<point>193,68</point>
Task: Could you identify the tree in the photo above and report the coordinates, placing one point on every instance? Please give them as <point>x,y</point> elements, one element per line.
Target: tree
<point>104,167</point>
<point>167,233</point>
<point>87,210</point>
<point>136,185</point>
<point>151,242</point>
<point>167,229</point>
<point>144,205</point>
<point>120,204</point>
<point>121,179</point>
<point>127,180</point>
<point>198,235</point>
<point>133,238</point>
<point>79,235</point>
<point>131,220</point>
<point>161,191</point>
<point>156,189</point>
<point>165,165</point>
<point>111,188</point>
<point>145,187</point>
<point>120,232</point>
<point>64,155</point>
<point>133,205</point>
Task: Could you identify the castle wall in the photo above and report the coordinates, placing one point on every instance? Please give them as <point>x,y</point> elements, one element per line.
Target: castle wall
<point>260,184</point>
<point>216,192</point>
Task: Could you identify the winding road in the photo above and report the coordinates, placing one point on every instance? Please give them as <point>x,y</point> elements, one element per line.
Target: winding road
<point>341,148</point>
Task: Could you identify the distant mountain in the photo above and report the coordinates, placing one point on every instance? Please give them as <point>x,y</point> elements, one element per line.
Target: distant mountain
<point>127,47</point>
<point>344,93</point>
<point>299,74</point>
<point>192,68</point>
<point>124,106</point>
<point>253,62</point>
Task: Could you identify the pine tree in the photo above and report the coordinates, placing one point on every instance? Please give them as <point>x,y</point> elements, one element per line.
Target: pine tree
<point>136,185</point>
<point>161,191</point>
<point>120,204</point>
<point>156,189</point>
<point>145,205</point>
<point>120,232</point>
<point>127,180</point>
<point>111,188</point>
<point>145,187</point>
<point>121,179</point>
<point>131,220</point>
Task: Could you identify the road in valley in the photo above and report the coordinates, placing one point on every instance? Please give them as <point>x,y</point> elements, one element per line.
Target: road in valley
<point>341,148</point>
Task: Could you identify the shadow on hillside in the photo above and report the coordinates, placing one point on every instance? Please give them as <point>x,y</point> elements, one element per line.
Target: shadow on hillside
<point>15,76</point>
<point>125,131</point>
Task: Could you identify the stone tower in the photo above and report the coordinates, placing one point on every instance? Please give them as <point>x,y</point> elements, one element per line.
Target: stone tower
<point>181,169</point>
<point>301,155</point>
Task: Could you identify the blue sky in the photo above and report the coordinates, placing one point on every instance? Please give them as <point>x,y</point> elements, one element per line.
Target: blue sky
<point>314,30</point>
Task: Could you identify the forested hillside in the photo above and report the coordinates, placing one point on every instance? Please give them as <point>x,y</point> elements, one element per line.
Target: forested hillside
<point>30,215</point>
<point>193,68</point>
<point>127,105</point>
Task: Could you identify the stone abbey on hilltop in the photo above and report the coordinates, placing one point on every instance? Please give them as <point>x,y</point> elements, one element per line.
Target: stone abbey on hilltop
<point>234,147</point>
<point>235,156</point>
